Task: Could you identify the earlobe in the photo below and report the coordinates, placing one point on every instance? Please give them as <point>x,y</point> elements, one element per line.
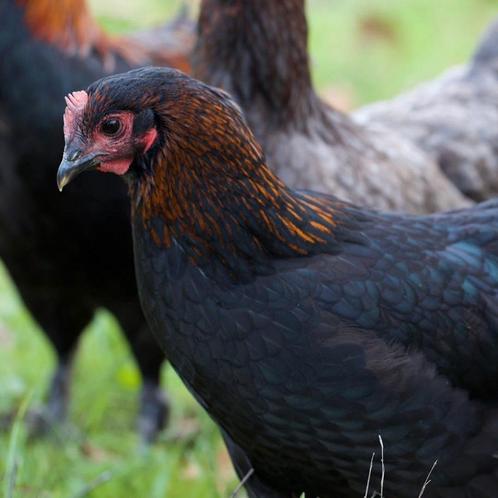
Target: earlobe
<point>149,138</point>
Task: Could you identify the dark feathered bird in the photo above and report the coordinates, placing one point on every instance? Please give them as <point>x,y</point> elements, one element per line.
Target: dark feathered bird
<point>304,325</point>
<point>454,118</point>
<point>257,51</point>
<point>67,255</point>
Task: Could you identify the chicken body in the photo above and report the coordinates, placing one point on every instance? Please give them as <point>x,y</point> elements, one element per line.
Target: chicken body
<point>257,51</point>
<point>394,335</point>
<point>304,325</point>
<point>65,255</point>
<point>454,118</point>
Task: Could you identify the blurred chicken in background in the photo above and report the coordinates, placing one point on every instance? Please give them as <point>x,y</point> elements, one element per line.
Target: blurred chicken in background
<point>454,118</point>
<point>171,44</point>
<point>65,257</point>
<point>257,51</point>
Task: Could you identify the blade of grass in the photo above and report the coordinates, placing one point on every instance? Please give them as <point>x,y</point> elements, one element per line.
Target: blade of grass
<point>12,453</point>
<point>102,478</point>
<point>427,480</point>
<point>369,475</point>
<point>241,484</point>
<point>383,468</point>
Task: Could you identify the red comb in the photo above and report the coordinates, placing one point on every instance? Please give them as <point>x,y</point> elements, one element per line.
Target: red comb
<point>75,103</point>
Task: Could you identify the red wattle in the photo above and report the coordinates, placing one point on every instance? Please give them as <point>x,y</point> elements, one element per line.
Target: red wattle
<point>118,166</point>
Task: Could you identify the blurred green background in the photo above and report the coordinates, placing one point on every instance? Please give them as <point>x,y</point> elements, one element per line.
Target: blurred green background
<point>362,50</point>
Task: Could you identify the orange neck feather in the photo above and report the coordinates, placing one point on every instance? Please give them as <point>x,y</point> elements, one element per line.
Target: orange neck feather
<point>190,205</point>
<point>70,26</point>
<point>67,24</point>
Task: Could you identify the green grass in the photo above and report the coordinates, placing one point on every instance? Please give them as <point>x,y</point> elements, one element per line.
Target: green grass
<point>98,455</point>
<point>414,40</point>
<point>99,448</point>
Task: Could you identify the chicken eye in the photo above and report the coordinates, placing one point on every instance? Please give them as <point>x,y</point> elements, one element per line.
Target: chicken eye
<point>110,127</point>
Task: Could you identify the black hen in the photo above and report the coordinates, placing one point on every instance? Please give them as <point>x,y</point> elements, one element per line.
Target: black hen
<point>304,325</point>
<point>65,256</point>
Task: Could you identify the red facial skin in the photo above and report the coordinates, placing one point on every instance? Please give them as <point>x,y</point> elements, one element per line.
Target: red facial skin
<point>116,151</point>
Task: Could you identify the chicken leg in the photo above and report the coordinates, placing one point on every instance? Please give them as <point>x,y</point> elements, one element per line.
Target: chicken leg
<point>154,403</point>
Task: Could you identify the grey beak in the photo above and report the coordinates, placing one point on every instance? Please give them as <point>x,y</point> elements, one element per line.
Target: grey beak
<point>73,163</point>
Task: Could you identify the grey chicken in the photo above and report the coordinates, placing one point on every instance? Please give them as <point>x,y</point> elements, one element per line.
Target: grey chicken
<point>454,118</point>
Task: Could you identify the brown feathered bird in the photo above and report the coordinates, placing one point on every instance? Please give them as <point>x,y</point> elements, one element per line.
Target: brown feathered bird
<point>56,248</point>
<point>257,51</point>
<point>454,118</point>
<point>304,325</point>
